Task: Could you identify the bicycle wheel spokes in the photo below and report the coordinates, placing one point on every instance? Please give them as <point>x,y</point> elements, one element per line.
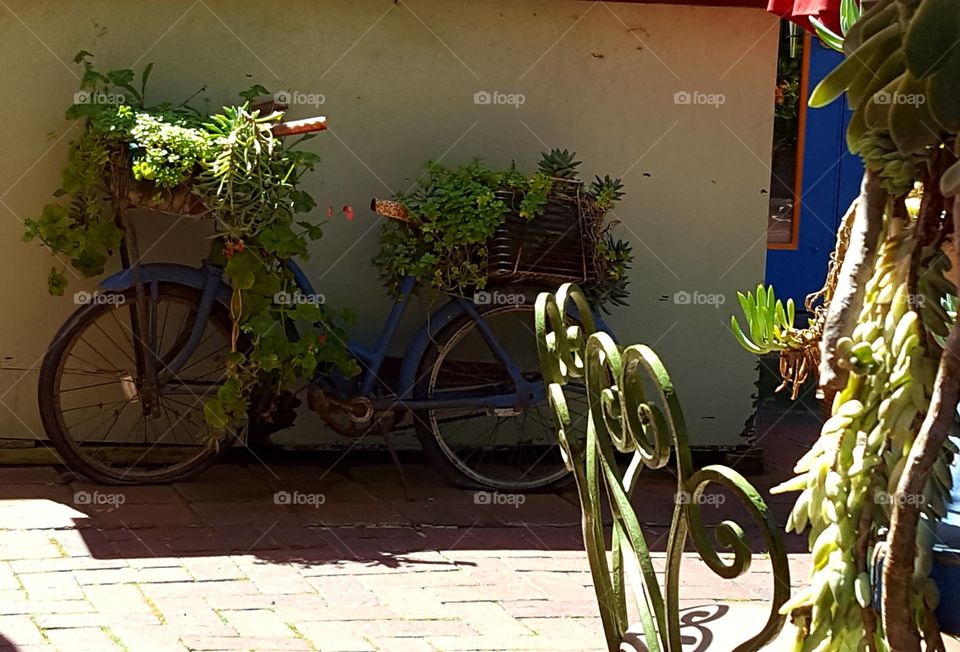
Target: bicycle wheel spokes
<point>98,396</point>
<point>510,448</point>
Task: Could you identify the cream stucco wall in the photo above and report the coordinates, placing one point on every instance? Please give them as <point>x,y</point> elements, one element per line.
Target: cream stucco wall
<point>398,81</point>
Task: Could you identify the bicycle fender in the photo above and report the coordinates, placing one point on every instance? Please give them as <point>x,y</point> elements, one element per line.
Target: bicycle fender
<point>195,277</point>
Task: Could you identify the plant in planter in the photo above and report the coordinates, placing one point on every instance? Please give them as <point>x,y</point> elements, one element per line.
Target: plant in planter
<point>227,166</point>
<point>467,227</point>
<point>771,329</point>
<point>878,477</point>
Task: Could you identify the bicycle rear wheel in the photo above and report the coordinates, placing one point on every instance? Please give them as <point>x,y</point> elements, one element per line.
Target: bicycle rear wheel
<point>89,389</point>
<point>508,450</point>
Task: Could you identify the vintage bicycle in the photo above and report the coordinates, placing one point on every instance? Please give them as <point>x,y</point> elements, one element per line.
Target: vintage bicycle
<point>123,385</point>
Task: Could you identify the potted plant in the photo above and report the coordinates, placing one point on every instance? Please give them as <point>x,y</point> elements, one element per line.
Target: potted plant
<point>231,167</point>
<point>465,228</point>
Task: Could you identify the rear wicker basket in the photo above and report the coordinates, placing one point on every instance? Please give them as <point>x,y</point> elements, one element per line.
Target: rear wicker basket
<point>555,247</point>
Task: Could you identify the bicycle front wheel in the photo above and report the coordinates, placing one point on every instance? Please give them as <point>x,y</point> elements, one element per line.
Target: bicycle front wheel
<point>89,389</point>
<point>512,449</point>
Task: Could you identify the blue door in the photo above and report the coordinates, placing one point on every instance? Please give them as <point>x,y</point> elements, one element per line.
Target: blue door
<point>829,180</point>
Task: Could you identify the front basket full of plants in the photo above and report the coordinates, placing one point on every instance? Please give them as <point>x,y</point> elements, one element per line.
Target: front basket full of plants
<point>466,229</point>
<point>233,167</point>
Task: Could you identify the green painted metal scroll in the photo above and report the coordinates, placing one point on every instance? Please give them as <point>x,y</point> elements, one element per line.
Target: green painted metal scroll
<point>622,418</point>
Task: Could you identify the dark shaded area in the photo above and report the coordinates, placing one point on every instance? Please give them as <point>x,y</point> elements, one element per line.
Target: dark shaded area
<point>342,506</point>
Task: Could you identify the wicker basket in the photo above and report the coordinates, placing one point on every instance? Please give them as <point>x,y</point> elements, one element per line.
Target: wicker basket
<point>554,247</point>
<point>557,246</point>
<point>174,201</point>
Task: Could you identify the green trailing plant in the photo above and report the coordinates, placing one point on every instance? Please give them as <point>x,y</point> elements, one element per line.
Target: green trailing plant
<point>453,212</point>
<point>243,177</point>
<point>848,478</point>
<point>878,477</point>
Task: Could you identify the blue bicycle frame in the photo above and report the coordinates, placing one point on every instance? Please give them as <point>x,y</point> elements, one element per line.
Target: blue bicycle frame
<point>209,280</point>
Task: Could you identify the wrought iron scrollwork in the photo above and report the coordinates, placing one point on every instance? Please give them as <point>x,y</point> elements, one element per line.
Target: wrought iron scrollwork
<point>622,418</point>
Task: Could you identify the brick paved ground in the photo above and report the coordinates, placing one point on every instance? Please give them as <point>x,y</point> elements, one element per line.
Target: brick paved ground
<point>216,564</point>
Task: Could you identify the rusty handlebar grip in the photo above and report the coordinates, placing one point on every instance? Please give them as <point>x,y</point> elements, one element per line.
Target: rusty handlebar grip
<point>389,208</point>
<point>305,126</point>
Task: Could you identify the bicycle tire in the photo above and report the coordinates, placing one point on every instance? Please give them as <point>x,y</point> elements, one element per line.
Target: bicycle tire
<point>51,373</point>
<point>439,452</point>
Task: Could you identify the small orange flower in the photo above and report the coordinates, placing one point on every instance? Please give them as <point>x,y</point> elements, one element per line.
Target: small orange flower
<point>232,247</point>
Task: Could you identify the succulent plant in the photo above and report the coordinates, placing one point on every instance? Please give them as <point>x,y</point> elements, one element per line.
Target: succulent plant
<point>606,191</point>
<point>611,289</point>
<point>559,163</point>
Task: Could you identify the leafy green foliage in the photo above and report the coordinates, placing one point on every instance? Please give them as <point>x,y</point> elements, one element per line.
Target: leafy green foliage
<point>165,152</point>
<point>617,259</point>
<point>250,184</point>
<point>248,181</point>
<point>452,213</point>
<point>770,322</point>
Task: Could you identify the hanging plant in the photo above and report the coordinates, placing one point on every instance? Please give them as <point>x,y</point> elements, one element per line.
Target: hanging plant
<point>228,167</point>
<point>878,477</point>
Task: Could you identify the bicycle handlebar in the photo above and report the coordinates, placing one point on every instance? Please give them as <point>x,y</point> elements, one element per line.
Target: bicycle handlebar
<point>389,208</point>
<point>305,126</point>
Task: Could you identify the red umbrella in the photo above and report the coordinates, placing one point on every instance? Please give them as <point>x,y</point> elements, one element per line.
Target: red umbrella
<point>800,12</point>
